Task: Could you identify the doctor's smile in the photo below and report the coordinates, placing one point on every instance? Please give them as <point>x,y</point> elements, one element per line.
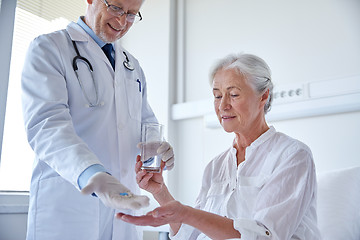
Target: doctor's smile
<point>116,29</point>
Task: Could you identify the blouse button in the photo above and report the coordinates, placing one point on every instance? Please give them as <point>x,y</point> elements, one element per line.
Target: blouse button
<point>267,233</point>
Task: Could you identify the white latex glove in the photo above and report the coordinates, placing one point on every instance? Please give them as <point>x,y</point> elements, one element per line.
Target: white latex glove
<point>163,148</point>
<point>112,193</point>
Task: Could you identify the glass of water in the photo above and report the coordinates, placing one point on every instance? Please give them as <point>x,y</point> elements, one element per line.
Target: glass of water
<point>152,135</point>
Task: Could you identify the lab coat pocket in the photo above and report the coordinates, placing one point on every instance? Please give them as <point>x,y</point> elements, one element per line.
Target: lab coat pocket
<point>215,197</point>
<point>134,97</point>
<point>61,206</point>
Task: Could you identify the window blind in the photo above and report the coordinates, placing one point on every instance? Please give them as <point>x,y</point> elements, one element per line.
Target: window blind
<point>32,18</point>
<point>53,9</point>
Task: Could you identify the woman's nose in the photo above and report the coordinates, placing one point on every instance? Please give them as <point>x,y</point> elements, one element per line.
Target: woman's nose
<point>224,104</point>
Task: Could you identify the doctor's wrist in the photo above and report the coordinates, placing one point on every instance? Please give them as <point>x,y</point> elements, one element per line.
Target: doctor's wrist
<point>88,173</point>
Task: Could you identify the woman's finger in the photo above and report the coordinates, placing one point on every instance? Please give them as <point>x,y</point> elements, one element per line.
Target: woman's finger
<point>139,175</point>
<point>138,164</point>
<point>145,180</point>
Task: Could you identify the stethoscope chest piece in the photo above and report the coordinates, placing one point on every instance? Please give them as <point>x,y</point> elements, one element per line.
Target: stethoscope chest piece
<point>128,66</point>
<point>127,63</point>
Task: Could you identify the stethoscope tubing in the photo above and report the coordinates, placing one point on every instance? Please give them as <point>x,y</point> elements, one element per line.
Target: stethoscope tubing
<point>127,64</point>
<point>77,58</point>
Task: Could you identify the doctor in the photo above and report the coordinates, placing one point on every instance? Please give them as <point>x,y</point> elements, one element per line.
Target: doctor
<point>83,109</point>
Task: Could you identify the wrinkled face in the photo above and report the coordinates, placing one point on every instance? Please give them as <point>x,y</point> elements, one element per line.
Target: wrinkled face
<point>107,27</point>
<point>238,106</point>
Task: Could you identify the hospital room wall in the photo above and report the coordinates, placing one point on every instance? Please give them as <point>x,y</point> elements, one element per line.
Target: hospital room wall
<point>301,41</point>
<point>148,41</point>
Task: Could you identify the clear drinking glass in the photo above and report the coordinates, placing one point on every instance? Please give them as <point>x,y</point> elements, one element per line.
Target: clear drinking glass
<point>151,138</point>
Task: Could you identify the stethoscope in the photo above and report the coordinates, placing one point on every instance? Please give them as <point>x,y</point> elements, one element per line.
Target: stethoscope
<point>127,64</point>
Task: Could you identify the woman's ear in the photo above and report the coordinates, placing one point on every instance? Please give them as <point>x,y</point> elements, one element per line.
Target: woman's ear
<point>265,96</point>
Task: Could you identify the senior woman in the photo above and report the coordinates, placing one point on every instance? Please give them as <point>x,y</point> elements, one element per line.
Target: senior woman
<point>262,187</point>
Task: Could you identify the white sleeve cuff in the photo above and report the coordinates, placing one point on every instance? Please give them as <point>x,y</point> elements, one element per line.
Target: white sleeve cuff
<point>250,229</point>
<point>185,232</point>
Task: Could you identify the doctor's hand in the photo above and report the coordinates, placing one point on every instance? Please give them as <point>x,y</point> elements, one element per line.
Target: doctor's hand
<point>163,148</point>
<point>149,181</point>
<point>112,193</point>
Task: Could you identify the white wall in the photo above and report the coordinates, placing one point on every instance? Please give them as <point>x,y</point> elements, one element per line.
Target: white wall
<point>300,40</point>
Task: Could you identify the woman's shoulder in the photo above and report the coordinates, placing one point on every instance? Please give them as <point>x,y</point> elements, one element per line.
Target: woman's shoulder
<point>289,150</point>
<point>282,140</point>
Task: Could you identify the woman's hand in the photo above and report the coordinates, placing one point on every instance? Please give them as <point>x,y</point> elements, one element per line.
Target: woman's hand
<point>175,214</point>
<point>151,182</point>
<point>172,212</point>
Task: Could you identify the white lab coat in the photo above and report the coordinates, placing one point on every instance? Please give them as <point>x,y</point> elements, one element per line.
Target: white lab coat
<point>67,136</point>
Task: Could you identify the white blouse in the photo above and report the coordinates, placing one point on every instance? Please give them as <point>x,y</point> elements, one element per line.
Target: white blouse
<point>270,195</point>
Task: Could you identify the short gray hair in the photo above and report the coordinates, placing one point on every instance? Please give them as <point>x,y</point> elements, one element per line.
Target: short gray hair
<point>253,68</point>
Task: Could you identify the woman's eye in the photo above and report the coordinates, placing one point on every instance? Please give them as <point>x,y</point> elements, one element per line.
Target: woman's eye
<point>234,95</point>
<point>217,96</point>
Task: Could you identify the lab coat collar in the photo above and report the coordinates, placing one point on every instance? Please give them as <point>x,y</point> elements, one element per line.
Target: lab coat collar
<point>77,33</point>
<point>90,32</point>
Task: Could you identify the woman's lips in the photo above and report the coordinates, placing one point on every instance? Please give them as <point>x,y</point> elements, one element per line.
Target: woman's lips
<point>227,117</point>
